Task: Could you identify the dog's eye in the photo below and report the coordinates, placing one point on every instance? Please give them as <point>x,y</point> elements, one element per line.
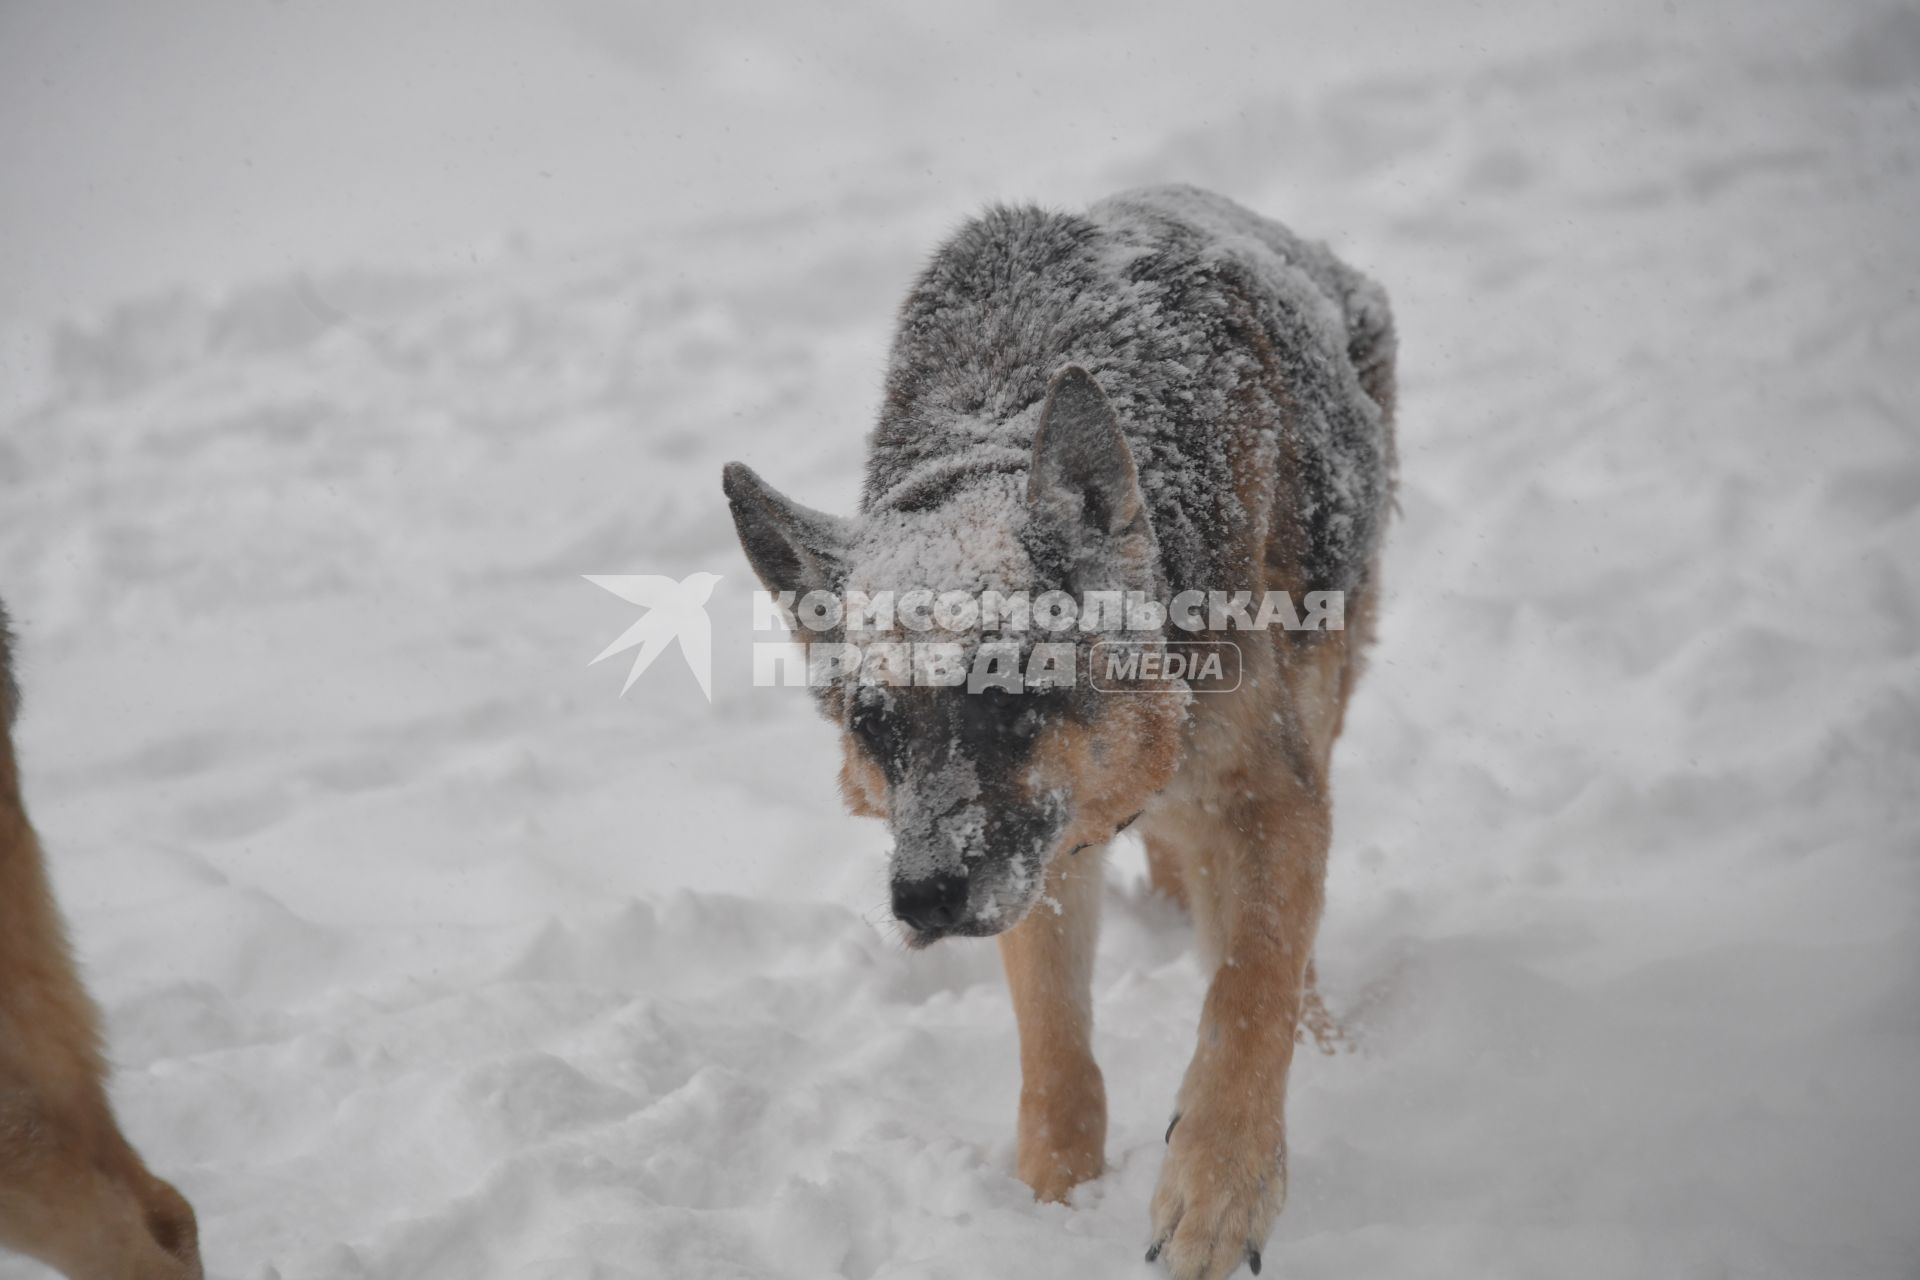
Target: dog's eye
<point>868,724</point>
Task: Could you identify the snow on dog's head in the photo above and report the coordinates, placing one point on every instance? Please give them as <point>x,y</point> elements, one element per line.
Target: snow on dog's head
<point>984,780</point>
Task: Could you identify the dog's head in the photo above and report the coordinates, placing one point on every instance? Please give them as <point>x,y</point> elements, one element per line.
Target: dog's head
<point>987,780</point>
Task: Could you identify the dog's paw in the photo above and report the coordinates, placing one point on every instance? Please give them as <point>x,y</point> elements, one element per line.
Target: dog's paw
<point>1053,1175</point>
<point>1063,1135</point>
<point>1221,1188</point>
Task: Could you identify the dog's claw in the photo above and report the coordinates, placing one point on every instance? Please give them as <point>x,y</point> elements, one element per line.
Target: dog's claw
<point>1253,1260</point>
<point>1170,1124</point>
<point>1153,1250</point>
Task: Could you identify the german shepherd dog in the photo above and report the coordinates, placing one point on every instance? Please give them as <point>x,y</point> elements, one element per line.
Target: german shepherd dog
<point>73,1192</point>
<point>1164,394</point>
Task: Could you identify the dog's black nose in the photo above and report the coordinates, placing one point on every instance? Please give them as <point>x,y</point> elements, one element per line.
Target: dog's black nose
<point>932,904</point>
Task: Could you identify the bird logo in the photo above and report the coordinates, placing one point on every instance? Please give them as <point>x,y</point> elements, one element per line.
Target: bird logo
<point>675,611</point>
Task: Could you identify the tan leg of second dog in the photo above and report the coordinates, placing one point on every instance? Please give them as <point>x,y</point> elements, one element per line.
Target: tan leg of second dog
<point>1049,963</point>
<point>73,1193</point>
<point>84,1203</point>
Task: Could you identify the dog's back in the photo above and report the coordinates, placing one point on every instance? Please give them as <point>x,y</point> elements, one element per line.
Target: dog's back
<point>1236,353</point>
<point>72,1191</point>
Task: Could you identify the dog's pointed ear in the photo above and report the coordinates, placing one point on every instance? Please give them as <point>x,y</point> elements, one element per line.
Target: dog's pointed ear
<point>1082,468</point>
<point>791,547</point>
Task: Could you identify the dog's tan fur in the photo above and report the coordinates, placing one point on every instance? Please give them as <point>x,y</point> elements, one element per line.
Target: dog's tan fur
<point>1251,841</point>
<point>73,1192</point>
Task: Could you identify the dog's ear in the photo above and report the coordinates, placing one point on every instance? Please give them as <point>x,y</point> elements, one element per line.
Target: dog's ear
<point>791,547</point>
<point>1082,470</point>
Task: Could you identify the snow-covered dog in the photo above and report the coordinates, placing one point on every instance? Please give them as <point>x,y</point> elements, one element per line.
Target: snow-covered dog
<point>73,1192</point>
<point>1164,397</point>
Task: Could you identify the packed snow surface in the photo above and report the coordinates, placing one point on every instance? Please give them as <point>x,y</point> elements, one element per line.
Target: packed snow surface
<point>427,956</point>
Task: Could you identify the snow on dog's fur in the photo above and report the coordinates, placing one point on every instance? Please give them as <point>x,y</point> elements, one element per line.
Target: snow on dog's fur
<point>73,1192</point>
<point>1166,393</point>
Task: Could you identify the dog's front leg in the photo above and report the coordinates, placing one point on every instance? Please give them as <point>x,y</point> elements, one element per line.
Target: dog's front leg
<point>1049,962</point>
<point>1262,862</point>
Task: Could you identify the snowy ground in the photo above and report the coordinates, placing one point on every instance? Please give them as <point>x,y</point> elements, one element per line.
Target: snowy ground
<point>427,956</point>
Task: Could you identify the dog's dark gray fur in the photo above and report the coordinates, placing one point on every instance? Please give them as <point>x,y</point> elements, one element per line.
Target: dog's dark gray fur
<point>1165,295</point>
